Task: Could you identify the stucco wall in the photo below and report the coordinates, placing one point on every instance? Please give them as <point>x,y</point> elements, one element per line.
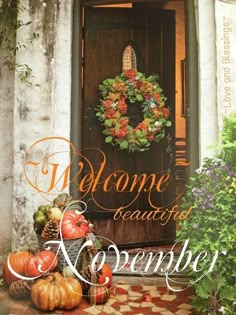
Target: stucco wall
<point>6,148</point>
<point>217,97</point>
<point>225,17</point>
<point>42,110</point>
<point>206,36</point>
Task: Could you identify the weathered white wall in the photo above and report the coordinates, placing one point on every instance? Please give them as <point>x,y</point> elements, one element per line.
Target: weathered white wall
<point>206,33</point>
<point>216,20</point>
<point>6,148</point>
<point>40,111</point>
<point>225,16</point>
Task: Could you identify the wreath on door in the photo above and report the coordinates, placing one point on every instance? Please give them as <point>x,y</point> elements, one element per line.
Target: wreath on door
<point>132,86</point>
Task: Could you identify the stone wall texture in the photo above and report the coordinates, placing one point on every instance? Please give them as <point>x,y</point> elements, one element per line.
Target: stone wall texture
<point>225,16</point>
<point>6,148</point>
<point>29,113</point>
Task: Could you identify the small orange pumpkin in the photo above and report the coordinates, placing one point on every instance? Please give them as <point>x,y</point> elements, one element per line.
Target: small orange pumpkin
<point>54,291</point>
<point>98,294</point>
<point>46,258</point>
<point>74,225</point>
<point>17,261</point>
<point>103,273</point>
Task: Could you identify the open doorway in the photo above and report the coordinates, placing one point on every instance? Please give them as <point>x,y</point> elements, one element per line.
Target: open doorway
<point>176,96</point>
<point>181,107</point>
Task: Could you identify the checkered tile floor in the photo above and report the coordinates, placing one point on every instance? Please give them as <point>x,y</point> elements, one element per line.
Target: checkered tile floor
<point>124,299</point>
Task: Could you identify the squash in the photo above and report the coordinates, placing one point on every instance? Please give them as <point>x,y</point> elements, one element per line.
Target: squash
<point>98,294</point>
<point>17,260</point>
<point>47,261</point>
<point>103,273</point>
<point>54,291</point>
<point>74,225</point>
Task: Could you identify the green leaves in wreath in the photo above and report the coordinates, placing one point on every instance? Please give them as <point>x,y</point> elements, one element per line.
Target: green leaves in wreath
<point>124,145</point>
<point>139,97</point>
<point>109,122</point>
<point>108,139</point>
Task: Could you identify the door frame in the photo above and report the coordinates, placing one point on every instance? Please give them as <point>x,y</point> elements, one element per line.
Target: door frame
<point>192,90</point>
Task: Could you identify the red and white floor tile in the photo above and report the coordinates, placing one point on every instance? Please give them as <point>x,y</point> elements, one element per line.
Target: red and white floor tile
<point>124,299</point>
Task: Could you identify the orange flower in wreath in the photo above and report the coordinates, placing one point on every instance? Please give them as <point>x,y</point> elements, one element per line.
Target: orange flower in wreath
<point>131,74</point>
<point>110,113</point>
<point>122,106</point>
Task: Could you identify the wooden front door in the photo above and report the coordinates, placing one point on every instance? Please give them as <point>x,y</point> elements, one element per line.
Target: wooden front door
<point>106,33</point>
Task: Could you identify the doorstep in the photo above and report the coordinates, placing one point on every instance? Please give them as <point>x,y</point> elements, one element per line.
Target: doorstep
<point>152,280</point>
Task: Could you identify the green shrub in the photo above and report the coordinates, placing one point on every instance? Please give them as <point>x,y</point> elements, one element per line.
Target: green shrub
<point>212,225</point>
<point>228,138</point>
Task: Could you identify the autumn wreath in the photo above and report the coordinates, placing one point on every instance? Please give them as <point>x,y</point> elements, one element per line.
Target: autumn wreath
<point>132,87</point>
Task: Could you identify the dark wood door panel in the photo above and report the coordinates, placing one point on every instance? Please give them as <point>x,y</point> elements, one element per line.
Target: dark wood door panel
<point>106,32</point>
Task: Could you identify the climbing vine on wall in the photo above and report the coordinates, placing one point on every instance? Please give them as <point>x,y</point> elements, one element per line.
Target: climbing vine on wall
<point>9,24</point>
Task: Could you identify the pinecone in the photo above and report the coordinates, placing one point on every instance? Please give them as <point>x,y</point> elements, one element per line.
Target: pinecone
<point>87,275</point>
<point>51,230</point>
<point>20,289</point>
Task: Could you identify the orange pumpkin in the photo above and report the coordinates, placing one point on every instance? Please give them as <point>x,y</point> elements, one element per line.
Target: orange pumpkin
<point>54,291</point>
<point>103,273</point>
<point>74,225</point>
<point>98,294</point>
<point>17,262</point>
<point>46,259</point>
